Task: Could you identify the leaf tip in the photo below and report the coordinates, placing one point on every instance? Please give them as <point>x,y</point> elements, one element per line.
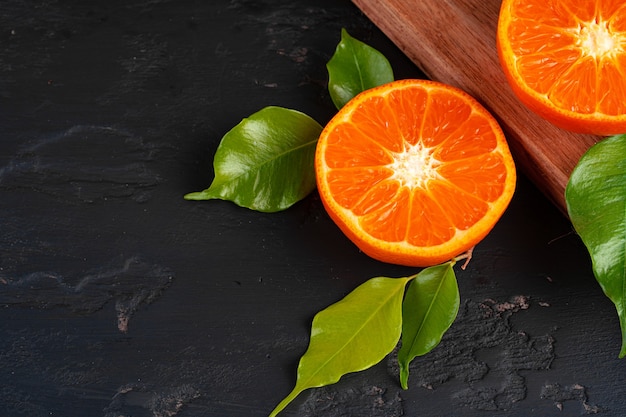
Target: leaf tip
<point>404,374</point>
<point>404,382</point>
<point>197,195</point>
<point>285,402</point>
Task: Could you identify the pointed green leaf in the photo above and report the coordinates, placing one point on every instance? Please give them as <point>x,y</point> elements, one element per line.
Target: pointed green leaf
<point>596,204</point>
<point>351,335</point>
<point>429,309</point>
<point>355,67</point>
<point>266,162</point>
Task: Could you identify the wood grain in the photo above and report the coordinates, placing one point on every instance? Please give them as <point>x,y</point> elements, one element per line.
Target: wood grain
<point>454,41</point>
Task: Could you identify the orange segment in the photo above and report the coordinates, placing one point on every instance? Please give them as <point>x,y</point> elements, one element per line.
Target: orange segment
<point>414,172</point>
<point>566,60</point>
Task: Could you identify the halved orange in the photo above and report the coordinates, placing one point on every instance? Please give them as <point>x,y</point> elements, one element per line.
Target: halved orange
<point>414,172</point>
<point>566,61</point>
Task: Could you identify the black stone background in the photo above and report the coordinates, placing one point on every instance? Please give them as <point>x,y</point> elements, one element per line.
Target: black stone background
<point>119,298</point>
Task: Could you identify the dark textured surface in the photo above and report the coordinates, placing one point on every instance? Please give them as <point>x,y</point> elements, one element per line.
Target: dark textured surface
<point>119,298</point>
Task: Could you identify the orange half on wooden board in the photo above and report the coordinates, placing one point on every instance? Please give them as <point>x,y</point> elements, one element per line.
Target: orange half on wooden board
<point>566,61</point>
<point>414,172</point>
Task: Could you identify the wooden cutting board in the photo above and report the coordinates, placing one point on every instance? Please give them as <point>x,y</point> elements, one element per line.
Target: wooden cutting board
<point>454,41</point>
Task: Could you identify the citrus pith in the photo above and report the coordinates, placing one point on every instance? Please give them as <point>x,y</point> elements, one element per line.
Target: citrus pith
<point>414,172</point>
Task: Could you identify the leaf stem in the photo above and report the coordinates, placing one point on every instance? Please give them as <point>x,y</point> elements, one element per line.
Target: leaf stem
<point>467,256</point>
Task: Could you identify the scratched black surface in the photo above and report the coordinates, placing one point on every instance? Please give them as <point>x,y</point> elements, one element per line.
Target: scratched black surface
<point>119,298</point>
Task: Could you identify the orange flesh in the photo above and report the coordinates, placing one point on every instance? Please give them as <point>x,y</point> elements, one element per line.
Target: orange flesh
<point>415,165</point>
<point>572,52</point>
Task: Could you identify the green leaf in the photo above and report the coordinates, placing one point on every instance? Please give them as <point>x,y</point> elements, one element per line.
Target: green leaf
<point>596,204</point>
<point>429,309</point>
<point>351,335</point>
<point>266,162</point>
<point>355,67</point>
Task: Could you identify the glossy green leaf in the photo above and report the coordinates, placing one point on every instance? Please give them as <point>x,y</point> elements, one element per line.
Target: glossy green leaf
<point>596,204</point>
<point>266,162</point>
<point>429,309</point>
<point>355,67</point>
<point>351,335</point>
